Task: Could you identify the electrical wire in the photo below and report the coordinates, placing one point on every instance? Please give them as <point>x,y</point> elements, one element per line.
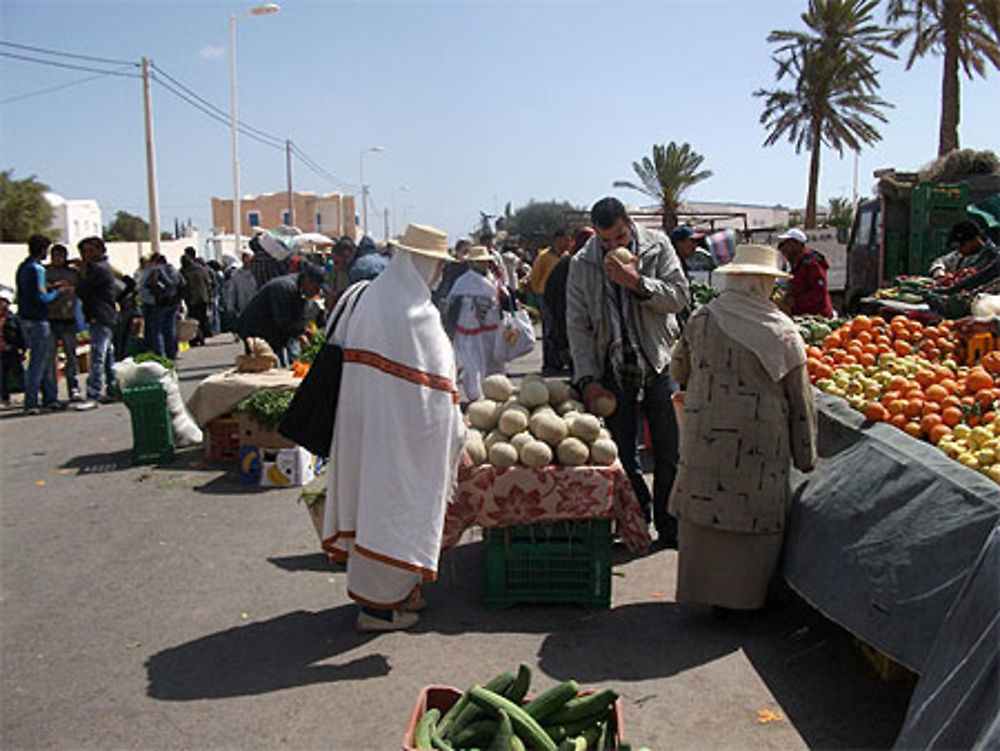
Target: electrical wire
<point>50,89</point>
<point>312,165</point>
<point>66,54</point>
<point>70,66</point>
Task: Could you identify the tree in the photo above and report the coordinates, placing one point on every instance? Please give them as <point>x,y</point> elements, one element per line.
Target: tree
<point>536,221</point>
<point>672,170</point>
<point>23,208</point>
<point>841,213</point>
<point>127,227</point>
<point>832,100</point>
<point>966,33</point>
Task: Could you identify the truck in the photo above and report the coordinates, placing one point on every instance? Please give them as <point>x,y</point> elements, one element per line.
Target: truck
<point>905,226</point>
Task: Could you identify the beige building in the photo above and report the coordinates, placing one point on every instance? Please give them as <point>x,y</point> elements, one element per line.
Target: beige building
<point>332,214</point>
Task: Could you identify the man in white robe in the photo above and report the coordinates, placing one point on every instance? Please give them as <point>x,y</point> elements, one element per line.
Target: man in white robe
<point>472,319</point>
<point>397,437</point>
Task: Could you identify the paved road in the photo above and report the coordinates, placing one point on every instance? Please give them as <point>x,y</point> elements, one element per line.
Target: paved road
<point>172,608</point>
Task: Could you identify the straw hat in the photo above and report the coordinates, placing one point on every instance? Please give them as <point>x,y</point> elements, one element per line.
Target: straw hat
<point>425,240</point>
<point>479,253</point>
<point>755,259</point>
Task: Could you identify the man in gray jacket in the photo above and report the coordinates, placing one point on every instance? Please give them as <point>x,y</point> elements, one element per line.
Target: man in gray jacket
<point>620,320</point>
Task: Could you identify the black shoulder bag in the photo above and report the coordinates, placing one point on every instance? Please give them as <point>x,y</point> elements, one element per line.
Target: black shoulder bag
<point>310,417</point>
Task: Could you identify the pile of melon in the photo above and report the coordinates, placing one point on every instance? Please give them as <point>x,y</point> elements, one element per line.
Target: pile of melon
<point>542,423</point>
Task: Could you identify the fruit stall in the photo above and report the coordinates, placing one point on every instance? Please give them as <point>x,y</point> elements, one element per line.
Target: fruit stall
<point>887,533</point>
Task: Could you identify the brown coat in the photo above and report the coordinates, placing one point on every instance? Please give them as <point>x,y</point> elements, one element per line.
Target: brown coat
<point>741,431</point>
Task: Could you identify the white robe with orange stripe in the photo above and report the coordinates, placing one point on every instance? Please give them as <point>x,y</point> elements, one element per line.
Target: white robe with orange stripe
<point>477,330</point>
<point>397,438</point>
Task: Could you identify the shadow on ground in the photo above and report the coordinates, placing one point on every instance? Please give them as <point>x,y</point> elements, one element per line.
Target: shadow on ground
<point>308,562</point>
<point>280,653</point>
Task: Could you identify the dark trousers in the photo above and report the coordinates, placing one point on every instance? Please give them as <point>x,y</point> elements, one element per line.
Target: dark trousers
<point>64,333</point>
<point>161,330</point>
<point>624,424</point>
<point>11,372</point>
<point>199,312</point>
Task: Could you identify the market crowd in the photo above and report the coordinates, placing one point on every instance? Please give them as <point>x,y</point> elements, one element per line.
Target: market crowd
<point>420,326</point>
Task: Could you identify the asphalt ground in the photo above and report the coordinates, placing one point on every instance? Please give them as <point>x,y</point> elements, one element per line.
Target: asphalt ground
<point>171,607</point>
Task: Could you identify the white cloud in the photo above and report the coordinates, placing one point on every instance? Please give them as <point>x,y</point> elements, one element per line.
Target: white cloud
<point>211,52</point>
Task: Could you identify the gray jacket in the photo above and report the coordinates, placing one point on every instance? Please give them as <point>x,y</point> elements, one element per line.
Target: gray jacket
<point>663,291</point>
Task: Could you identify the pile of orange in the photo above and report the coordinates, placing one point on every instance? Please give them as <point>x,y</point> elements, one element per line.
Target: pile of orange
<point>935,398</point>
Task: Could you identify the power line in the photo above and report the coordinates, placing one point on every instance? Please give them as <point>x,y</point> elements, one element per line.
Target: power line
<point>70,66</point>
<point>66,54</point>
<point>50,89</point>
<point>311,164</point>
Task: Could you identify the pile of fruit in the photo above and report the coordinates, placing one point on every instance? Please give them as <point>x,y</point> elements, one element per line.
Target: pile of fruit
<point>906,374</point>
<point>541,423</point>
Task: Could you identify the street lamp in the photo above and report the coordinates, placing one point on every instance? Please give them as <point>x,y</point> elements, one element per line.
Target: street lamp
<point>364,188</point>
<point>259,10</point>
<point>395,213</point>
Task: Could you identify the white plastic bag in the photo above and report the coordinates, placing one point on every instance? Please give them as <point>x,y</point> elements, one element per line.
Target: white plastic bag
<point>516,336</point>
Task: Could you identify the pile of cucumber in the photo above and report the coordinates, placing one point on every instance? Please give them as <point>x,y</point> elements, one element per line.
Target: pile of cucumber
<point>495,717</point>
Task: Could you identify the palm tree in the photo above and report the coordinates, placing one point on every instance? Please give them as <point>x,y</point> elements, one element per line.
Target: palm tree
<point>966,33</point>
<point>667,176</point>
<point>833,99</point>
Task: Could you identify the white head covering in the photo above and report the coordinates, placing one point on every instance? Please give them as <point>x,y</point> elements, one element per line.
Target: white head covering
<point>745,313</point>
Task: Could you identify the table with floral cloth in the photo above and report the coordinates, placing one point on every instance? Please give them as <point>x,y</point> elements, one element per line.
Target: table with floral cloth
<point>490,496</point>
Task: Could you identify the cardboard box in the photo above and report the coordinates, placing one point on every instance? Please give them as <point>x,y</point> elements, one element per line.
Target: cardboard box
<point>252,434</point>
<point>276,468</point>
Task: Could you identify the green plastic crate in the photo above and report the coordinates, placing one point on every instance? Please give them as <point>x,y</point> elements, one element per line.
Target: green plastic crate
<point>152,432</point>
<point>559,562</point>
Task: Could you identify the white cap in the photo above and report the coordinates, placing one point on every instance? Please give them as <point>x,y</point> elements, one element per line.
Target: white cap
<point>794,234</point>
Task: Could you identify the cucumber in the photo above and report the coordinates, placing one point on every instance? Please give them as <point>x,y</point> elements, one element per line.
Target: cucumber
<point>438,742</point>
<point>525,725</point>
<point>571,729</point>
<point>505,731</point>
<point>516,744</point>
<point>519,687</point>
<point>597,703</point>
<point>477,732</point>
<point>463,712</point>
<point>548,702</point>
<point>422,735</point>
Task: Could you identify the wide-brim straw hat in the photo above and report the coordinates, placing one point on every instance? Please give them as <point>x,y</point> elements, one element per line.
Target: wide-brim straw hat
<point>479,253</point>
<point>755,259</point>
<point>425,240</point>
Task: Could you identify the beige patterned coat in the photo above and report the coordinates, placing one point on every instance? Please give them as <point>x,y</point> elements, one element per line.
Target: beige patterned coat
<point>740,433</point>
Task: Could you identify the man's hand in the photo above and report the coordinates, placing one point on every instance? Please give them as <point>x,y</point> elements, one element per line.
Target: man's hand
<point>623,274</point>
<point>591,392</point>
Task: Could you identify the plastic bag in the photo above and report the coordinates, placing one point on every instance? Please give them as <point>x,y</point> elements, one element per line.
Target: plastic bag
<point>517,335</point>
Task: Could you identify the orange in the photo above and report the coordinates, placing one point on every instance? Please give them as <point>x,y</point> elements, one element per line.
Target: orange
<point>898,420</point>
<point>898,406</point>
<point>861,323</point>
<point>890,396</point>
<point>924,377</point>
<point>867,359</point>
<point>949,384</point>
<point>938,432</point>
<point>864,337</point>
<point>813,351</point>
<point>984,398</point>
<point>935,392</point>
<point>942,371</point>
<point>901,347</point>
<point>913,428</point>
<point>978,379</point>
<point>991,362</point>
<point>914,407</point>
<point>951,416</point>
<point>951,401</point>
<point>931,408</point>
<point>897,383</point>
<point>929,422</point>
<point>832,340</point>
<point>876,412</point>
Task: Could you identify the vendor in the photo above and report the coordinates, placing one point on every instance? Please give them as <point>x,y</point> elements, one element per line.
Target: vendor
<point>277,313</point>
<point>808,292</point>
<point>968,250</point>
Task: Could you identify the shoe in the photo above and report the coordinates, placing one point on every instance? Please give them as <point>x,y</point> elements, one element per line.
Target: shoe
<point>108,399</point>
<point>85,405</point>
<point>400,620</point>
<point>32,411</point>
<point>77,397</point>
<point>55,406</point>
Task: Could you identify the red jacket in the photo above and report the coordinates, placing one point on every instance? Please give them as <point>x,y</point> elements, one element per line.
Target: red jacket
<point>808,289</point>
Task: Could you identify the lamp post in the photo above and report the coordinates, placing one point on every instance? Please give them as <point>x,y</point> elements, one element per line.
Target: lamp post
<point>364,188</point>
<point>395,212</point>
<point>259,10</point>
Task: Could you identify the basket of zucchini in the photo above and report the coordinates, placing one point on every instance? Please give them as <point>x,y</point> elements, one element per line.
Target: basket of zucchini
<point>498,715</point>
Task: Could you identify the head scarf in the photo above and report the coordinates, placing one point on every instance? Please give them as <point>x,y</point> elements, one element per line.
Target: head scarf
<point>745,313</point>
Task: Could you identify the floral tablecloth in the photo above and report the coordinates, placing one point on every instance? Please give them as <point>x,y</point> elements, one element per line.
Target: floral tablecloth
<point>490,496</point>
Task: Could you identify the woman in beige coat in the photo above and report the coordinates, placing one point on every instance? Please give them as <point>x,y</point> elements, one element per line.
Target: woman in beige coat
<point>748,415</point>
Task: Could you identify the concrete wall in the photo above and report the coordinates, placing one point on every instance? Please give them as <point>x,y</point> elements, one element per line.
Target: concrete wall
<point>124,256</point>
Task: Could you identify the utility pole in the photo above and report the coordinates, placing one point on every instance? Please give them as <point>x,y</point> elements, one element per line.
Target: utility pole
<point>288,175</point>
<point>385,215</point>
<point>154,210</point>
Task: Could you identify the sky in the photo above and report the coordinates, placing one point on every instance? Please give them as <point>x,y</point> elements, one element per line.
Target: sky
<point>477,103</point>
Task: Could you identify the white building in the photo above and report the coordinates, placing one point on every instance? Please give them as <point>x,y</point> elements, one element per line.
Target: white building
<point>73,220</point>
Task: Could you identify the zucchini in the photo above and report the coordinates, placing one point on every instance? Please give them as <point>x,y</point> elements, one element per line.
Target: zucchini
<point>597,703</point>
<point>524,724</point>
<point>422,735</point>
<point>519,687</point>
<point>548,702</point>
<point>477,732</point>
<point>505,731</point>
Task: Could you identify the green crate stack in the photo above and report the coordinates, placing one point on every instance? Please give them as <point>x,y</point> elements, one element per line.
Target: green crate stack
<point>152,432</point>
<point>564,561</point>
<point>933,211</point>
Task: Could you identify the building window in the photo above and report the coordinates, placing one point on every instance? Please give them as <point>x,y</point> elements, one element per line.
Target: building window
<point>286,219</point>
<point>319,222</point>
<point>253,218</point>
